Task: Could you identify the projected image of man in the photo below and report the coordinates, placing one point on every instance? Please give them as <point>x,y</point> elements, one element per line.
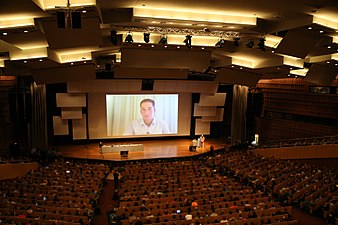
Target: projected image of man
<point>148,124</point>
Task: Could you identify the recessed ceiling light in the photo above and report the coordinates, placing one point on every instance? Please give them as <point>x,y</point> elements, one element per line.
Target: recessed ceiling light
<point>40,60</point>
<point>166,46</point>
<point>296,76</point>
<point>202,47</point>
<point>289,75</point>
<point>328,62</point>
<point>84,11</point>
<point>71,63</point>
<point>232,66</point>
<point>240,68</point>
<point>152,46</point>
<point>25,31</point>
<point>4,33</point>
<point>25,61</point>
<point>321,31</point>
<point>272,51</point>
<point>139,45</point>
<point>85,62</point>
<point>336,64</point>
<point>178,46</point>
<point>98,65</point>
<point>309,28</point>
<point>329,46</point>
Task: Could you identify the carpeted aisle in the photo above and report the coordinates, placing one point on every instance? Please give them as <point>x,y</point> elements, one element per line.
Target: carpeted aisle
<point>105,203</point>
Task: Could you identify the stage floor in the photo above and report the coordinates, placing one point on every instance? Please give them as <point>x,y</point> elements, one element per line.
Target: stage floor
<point>152,149</point>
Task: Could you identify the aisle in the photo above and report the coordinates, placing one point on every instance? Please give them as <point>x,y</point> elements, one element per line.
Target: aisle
<point>105,203</point>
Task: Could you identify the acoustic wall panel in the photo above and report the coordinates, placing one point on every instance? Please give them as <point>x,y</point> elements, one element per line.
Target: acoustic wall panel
<point>60,126</point>
<point>202,127</point>
<point>79,128</point>
<point>185,86</point>
<point>204,110</point>
<point>105,86</point>
<point>217,118</point>
<point>70,100</point>
<point>216,99</point>
<point>71,113</point>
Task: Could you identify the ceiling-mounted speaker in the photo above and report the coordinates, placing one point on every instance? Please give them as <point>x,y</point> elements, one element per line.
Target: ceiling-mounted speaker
<point>147,85</point>
<point>76,20</point>
<point>60,19</point>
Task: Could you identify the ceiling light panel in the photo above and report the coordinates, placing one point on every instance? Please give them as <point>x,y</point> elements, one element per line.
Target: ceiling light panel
<point>194,16</point>
<point>13,21</point>
<point>54,4</point>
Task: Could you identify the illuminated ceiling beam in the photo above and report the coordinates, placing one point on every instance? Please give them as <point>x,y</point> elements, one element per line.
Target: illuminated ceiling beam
<point>293,61</point>
<point>72,55</point>
<point>272,41</point>
<point>326,21</point>
<point>54,4</point>
<point>197,16</point>
<point>319,58</point>
<point>32,53</point>
<point>299,72</point>
<point>16,21</point>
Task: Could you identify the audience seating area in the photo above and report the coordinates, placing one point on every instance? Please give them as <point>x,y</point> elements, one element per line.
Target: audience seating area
<point>62,192</point>
<point>291,182</point>
<point>301,142</point>
<point>153,192</point>
<point>236,187</point>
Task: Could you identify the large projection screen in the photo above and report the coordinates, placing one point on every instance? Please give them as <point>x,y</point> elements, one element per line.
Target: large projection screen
<point>110,114</point>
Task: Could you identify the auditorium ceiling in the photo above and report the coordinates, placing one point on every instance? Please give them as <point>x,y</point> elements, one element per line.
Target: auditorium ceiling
<point>241,39</point>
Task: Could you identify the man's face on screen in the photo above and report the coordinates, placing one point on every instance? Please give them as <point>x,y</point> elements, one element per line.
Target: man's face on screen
<point>147,112</point>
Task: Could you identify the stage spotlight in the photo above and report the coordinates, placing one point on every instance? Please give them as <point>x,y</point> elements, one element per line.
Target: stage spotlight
<point>129,38</point>
<point>146,37</point>
<point>250,44</point>
<point>187,41</point>
<point>220,43</point>
<point>261,44</point>
<point>163,40</point>
<point>236,42</point>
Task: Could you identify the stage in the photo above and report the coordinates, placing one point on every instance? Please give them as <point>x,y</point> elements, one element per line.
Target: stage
<point>152,149</point>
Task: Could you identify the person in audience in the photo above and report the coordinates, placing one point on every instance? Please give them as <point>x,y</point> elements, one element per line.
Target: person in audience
<point>148,124</point>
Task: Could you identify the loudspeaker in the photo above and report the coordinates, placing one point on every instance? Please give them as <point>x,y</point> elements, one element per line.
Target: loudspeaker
<point>255,103</point>
<point>124,154</point>
<point>61,19</point>
<point>147,85</point>
<point>115,39</point>
<point>76,20</point>
<point>192,148</point>
<point>108,66</point>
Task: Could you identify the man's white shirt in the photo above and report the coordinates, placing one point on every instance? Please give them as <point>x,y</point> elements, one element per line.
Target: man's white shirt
<point>138,127</point>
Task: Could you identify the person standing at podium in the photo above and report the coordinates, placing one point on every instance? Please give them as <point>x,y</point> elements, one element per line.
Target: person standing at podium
<point>202,140</point>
